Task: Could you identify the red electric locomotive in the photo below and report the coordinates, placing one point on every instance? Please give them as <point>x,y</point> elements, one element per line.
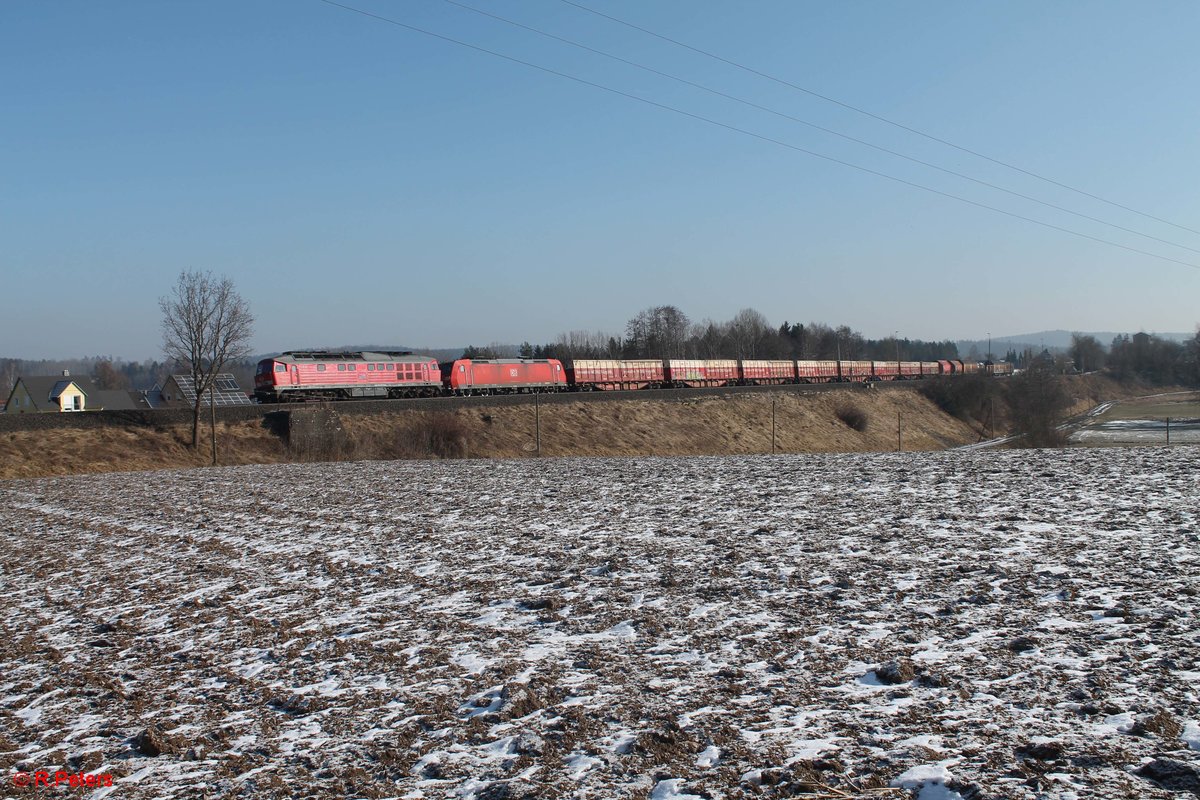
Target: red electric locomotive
<point>504,376</point>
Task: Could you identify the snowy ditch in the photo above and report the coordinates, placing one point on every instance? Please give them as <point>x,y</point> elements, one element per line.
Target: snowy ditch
<point>955,625</point>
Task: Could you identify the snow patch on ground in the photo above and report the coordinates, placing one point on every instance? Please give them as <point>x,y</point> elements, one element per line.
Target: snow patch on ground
<point>971,624</point>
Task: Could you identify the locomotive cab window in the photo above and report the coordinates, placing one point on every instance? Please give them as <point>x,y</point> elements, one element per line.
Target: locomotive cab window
<point>280,368</point>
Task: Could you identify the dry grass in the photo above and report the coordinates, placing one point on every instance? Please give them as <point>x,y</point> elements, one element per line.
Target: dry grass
<point>66,451</point>
<point>703,426</point>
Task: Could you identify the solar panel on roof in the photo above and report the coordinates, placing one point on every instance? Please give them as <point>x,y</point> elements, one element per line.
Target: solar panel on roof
<point>226,391</point>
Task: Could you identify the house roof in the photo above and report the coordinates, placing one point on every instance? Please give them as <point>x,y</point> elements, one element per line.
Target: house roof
<point>45,389</point>
<point>112,400</point>
<point>225,390</point>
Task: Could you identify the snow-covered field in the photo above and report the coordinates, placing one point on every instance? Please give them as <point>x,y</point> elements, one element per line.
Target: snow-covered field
<point>1138,431</point>
<point>955,625</point>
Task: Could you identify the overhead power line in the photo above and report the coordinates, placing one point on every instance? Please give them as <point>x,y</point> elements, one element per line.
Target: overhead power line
<point>864,112</point>
<point>813,125</point>
<point>743,131</point>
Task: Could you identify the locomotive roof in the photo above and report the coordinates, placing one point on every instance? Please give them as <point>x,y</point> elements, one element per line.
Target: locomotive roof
<point>339,355</point>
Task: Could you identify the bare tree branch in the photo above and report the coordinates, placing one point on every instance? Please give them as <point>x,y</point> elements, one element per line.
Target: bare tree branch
<point>205,324</point>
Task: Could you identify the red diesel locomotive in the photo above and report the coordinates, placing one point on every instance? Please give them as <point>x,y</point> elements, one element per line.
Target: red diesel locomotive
<point>328,375</point>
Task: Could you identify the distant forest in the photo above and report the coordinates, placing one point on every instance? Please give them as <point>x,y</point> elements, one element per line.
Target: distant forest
<point>666,332</point>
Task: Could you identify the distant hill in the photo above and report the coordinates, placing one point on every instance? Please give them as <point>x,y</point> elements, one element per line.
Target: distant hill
<point>1051,340</point>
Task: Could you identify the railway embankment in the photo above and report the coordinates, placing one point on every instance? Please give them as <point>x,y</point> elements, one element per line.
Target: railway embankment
<point>700,422</point>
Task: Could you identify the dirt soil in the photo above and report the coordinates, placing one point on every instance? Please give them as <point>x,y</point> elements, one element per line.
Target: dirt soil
<point>704,426</point>
<point>996,625</point>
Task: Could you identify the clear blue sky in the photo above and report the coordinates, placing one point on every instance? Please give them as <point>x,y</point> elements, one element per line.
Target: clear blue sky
<point>363,183</point>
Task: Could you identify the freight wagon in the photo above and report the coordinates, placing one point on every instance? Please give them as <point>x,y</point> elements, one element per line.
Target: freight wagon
<point>587,375</point>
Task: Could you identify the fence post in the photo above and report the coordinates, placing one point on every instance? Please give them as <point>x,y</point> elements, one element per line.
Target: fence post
<point>537,424</point>
<point>1168,431</point>
<point>899,446</point>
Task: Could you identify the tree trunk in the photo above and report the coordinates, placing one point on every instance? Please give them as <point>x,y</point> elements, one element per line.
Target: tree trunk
<point>196,424</point>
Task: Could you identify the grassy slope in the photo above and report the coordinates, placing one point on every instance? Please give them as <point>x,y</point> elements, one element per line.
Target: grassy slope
<point>704,426</point>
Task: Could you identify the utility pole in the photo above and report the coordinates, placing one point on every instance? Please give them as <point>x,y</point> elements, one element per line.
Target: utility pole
<point>772,426</point>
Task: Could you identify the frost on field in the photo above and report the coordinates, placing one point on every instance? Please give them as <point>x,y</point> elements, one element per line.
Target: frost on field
<point>982,625</point>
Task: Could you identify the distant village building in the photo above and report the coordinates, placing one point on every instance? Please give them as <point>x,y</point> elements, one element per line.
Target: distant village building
<point>54,394</point>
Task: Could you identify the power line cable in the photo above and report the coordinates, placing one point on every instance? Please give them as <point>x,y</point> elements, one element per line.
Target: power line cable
<point>743,131</point>
<point>813,125</point>
<point>874,116</point>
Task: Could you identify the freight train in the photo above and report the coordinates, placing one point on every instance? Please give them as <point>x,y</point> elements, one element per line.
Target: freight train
<point>298,376</point>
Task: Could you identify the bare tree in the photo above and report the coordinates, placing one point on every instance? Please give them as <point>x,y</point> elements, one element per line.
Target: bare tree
<point>658,332</point>
<point>1086,352</point>
<point>205,324</point>
<point>109,377</point>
